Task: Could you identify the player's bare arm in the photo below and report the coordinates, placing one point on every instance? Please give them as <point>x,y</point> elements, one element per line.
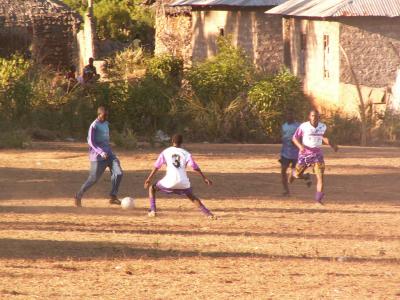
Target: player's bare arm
<point>298,144</point>
<point>328,142</point>
<point>206,180</point>
<point>149,179</point>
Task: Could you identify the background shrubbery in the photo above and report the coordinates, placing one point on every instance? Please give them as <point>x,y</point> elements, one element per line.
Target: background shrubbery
<point>216,98</point>
<point>120,20</point>
<point>271,97</point>
<point>220,100</point>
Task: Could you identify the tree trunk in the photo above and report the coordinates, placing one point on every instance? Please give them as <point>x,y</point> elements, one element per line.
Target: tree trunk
<point>364,127</point>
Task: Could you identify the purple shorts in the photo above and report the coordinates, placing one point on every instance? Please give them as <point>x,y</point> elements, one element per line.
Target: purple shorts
<point>310,159</point>
<point>182,192</point>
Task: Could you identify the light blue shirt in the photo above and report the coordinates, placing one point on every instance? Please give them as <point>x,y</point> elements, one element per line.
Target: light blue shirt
<point>289,150</point>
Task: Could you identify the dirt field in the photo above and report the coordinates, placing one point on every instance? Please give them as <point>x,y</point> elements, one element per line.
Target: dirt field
<point>262,246</point>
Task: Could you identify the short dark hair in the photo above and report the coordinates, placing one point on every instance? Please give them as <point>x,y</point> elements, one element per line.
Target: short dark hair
<point>314,111</point>
<point>177,139</point>
<point>101,110</point>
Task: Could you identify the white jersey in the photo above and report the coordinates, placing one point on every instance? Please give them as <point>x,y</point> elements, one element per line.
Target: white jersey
<point>311,136</point>
<point>176,160</point>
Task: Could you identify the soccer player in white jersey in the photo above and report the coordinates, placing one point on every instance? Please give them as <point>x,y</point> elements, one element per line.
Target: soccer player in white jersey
<point>309,138</point>
<point>176,180</point>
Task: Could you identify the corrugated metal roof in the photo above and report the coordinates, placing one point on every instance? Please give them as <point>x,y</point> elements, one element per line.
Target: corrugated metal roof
<point>338,8</point>
<point>227,3</point>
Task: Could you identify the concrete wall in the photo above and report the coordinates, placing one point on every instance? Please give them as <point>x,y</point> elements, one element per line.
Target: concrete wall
<point>258,34</point>
<point>307,59</point>
<point>192,34</point>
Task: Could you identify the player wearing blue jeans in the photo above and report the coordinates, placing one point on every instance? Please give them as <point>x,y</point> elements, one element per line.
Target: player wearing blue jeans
<point>101,157</point>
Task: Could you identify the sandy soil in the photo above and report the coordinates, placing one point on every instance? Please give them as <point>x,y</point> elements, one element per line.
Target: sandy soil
<point>262,246</point>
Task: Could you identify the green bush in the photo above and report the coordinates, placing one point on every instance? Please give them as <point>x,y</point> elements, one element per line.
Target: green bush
<point>223,77</point>
<point>12,70</point>
<point>126,64</point>
<point>15,88</point>
<point>167,68</point>
<point>148,105</point>
<point>15,139</point>
<point>113,21</point>
<point>272,97</point>
<point>218,88</point>
<point>389,126</point>
<point>343,130</point>
<point>148,101</point>
<point>125,139</point>
<point>120,19</point>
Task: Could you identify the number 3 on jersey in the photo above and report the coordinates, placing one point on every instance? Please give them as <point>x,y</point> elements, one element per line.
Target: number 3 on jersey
<point>176,161</point>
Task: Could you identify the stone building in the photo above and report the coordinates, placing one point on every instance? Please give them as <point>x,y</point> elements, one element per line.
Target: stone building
<point>190,28</point>
<point>325,40</point>
<point>43,29</point>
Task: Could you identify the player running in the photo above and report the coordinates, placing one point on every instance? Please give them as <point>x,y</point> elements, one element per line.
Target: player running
<point>176,180</point>
<point>101,157</point>
<point>289,152</point>
<point>309,138</point>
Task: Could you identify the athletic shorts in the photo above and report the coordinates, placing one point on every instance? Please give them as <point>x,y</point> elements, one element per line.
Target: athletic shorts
<point>182,192</point>
<point>317,167</point>
<point>286,162</point>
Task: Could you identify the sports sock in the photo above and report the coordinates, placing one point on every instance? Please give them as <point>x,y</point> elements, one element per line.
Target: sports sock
<point>152,204</point>
<point>319,196</point>
<point>205,210</point>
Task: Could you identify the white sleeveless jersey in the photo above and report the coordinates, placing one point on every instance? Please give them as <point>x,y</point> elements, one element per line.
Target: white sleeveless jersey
<point>176,160</point>
<point>311,136</point>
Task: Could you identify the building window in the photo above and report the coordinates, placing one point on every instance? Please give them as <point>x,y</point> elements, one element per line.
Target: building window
<point>303,53</point>
<point>326,56</point>
<point>221,32</point>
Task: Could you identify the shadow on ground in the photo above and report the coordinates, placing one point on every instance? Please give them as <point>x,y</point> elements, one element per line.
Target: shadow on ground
<point>67,250</point>
<point>122,229</point>
<point>19,184</point>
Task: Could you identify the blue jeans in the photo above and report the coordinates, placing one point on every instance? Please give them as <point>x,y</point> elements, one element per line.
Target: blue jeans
<point>97,169</point>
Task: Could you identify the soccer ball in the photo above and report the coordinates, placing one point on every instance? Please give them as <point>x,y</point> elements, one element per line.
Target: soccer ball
<point>127,203</point>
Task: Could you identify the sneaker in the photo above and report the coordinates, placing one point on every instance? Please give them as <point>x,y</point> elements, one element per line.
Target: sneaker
<point>152,214</point>
<point>77,201</point>
<point>115,200</point>
<point>212,217</point>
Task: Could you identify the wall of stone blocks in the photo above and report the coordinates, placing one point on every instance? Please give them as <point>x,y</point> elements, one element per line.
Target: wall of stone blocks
<point>373,47</point>
<point>268,54</point>
<point>173,32</point>
<point>42,28</point>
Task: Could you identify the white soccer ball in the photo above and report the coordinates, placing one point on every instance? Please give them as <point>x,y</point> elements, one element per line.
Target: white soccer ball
<point>127,203</point>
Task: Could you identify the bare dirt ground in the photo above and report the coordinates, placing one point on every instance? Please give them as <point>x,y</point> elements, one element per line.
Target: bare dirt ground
<point>262,246</point>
